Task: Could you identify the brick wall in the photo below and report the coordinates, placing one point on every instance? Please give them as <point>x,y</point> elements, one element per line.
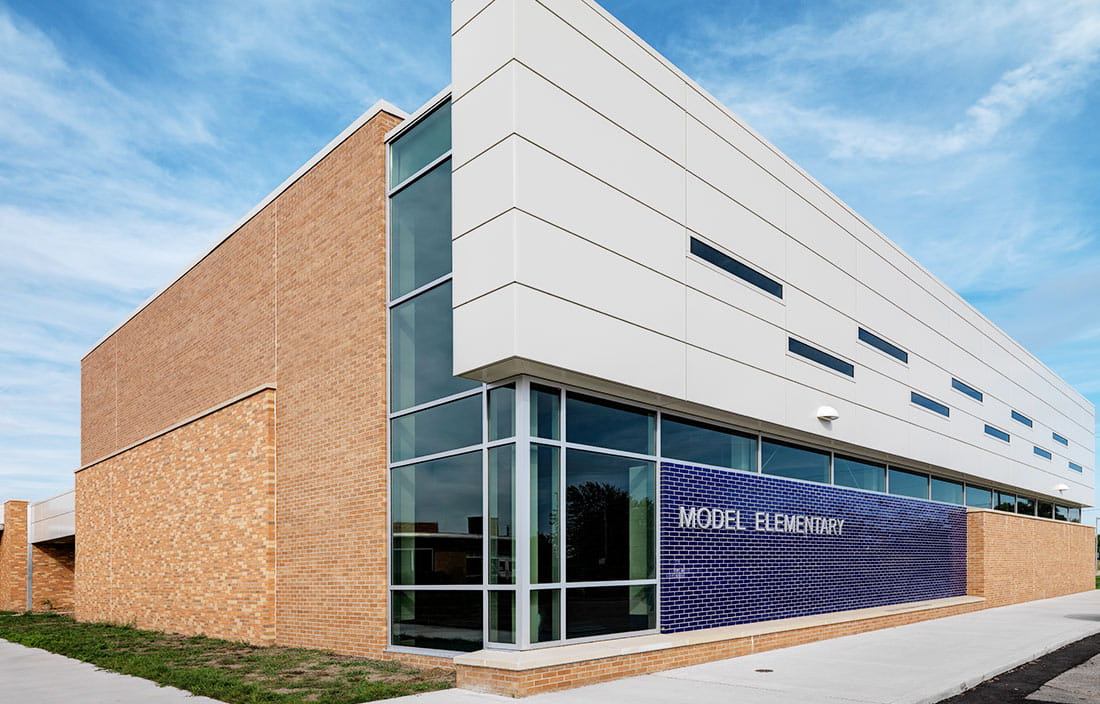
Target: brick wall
<point>13,557</point>
<point>178,533</point>
<point>713,577</point>
<point>296,299</point>
<point>52,575</point>
<point>1012,559</point>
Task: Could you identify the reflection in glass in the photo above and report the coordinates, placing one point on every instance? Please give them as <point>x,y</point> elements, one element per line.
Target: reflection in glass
<point>428,140</point>
<point>905,483</point>
<point>502,512</point>
<point>545,403</point>
<point>1045,509</point>
<point>502,412</point>
<point>545,529</point>
<point>692,441</point>
<point>977,497</point>
<point>1025,505</point>
<point>593,421</point>
<point>597,611</point>
<point>1061,513</point>
<point>947,491</point>
<point>545,615</point>
<point>859,474</point>
<point>420,231</point>
<point>1074,515</point>
<point>446,427</point>
<point>502,617</point>
<point>783,460</point>
<point>1005,502</point>
<point>609,508</point>
<point>443,620</point>
<point>436,511</point>
<point>421,334</point>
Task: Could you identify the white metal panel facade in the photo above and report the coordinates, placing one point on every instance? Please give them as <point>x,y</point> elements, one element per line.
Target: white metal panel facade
<point>583,165</point>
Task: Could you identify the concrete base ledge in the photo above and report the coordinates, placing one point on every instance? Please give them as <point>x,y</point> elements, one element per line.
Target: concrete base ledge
<point>521,660</point>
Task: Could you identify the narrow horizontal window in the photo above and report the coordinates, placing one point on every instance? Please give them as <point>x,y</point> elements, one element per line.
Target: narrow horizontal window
<point>1041,452</point>
<point>1076,467</point>
<point>878,343</point>
<point>1059,439</point>
<point>823,358</point>
<point>1021,418</point>
<point>967,389</point>
<point>999,434</point>
<point>925,402</point>
<point>742,271</point>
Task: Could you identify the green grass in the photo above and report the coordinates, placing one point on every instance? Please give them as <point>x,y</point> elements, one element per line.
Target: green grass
<point>233,672</point>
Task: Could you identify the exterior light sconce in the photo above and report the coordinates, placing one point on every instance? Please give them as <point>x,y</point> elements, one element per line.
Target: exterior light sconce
<point>1061,488</point>
<point>827,414</point>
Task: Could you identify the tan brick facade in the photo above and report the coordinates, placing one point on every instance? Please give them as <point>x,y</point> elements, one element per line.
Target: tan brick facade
<point>52,570</point>
<point>294,299</point>
<point>1012,559</point>
<point>178,533</point>
<point>13,557</point>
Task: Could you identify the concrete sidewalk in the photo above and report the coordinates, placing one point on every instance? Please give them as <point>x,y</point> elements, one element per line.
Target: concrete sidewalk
<point>922,662</point>
<point>30,675</point>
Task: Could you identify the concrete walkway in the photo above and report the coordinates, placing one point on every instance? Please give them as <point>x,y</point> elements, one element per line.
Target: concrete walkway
<point>922,662</point>
<point>30,675</point>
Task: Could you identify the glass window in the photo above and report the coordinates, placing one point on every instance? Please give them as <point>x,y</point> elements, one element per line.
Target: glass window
<point>925,402</point>
<point>692,441</point>
<point>502,412</point>
<point>1076,467</point>
<point>1045,509</point>
<point>906,483</point>
<point>977,497</point>
<point>878,343</point>
<point>421,361</point>
<point>420,231</point>
<point>783,460</point>
<point>609,508</point>
<point>502,617</point>
<point>1021,418</point>
<point>545,615</point>
<point>999,434</point>
<point>502,514</point>
<point>593,421</point>
<point>442,620</point>
<point>436,510</point>
<point>742,271</point>
<point>1025,505</point>
<point>449,426</point>
<point>947,491</point>
<point>1059,439</point>
<point>823,358</point>
<point>966,389</point>
<point>597,611</point>
<point>1041,452</point>
<point>545,406</point>
<point>859,474</point>
<point>545,530</point>
<point>1061,513</point>
<point>1005,502</point>
<point>1074,515</point>
<point>422,144</point>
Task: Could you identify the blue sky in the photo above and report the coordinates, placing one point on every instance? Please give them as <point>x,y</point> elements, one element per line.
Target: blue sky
<point>133,134</point>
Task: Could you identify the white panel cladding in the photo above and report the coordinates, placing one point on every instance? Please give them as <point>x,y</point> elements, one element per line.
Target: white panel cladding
<point>609,161</point>
<point>53,518</point>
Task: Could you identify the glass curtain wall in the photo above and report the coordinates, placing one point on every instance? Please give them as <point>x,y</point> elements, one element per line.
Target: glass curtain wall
<point>452,449</point>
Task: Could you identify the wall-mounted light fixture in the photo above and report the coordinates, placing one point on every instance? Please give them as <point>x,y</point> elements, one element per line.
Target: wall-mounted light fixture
<point>827,413</point>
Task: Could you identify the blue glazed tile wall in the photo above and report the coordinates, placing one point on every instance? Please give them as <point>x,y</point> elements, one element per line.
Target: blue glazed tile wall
<point>892,550</point>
